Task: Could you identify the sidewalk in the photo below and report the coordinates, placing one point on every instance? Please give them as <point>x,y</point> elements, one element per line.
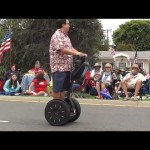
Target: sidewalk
<point>82,101</point>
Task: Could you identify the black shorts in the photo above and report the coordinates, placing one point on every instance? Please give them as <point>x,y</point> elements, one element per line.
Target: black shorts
<point>61,81</point>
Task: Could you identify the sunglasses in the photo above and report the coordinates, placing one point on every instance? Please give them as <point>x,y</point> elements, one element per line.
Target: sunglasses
<point>134,68</point>
<point>107,67</point>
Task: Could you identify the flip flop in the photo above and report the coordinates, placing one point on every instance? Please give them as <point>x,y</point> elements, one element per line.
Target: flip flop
<point>135,99</point>
<point>126,99</point>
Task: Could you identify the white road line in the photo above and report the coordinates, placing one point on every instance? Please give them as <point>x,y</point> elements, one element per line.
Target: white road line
<point>4,121</point>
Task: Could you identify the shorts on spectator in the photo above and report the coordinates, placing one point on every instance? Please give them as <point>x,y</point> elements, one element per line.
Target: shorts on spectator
<point>130,86</point>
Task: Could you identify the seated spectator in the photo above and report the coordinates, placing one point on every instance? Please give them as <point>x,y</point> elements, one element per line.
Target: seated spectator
<point>123,72</point>
<point>12,70</point>
<point>106,80</point>
<point>95,76</point>
<point>11,86</point>
<point>37,68</point>
<point>119,78</point>
<point>132,80</point>
<point>96,72</point>
<point>40,86</point>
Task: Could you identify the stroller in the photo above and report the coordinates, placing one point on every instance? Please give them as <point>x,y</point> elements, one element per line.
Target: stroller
<point>58,112</point>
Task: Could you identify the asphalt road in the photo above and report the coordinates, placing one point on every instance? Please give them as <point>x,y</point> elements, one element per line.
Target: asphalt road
<point>26,114</point>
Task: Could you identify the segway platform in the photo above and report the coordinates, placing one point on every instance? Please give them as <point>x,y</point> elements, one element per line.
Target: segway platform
<point>59,112</point>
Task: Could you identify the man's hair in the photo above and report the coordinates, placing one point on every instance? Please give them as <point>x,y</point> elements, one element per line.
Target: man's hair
<point>37,62</point>
<point>60,22</point>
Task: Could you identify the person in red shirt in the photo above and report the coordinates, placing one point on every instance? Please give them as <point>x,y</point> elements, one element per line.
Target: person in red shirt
<point>37,68</point>
<point>40,85</point>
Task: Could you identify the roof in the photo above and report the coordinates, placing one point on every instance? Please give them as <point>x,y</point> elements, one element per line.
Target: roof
<point>131,54</point>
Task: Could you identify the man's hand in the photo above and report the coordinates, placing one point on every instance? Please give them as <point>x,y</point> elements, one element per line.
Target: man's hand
<point>82,54</point>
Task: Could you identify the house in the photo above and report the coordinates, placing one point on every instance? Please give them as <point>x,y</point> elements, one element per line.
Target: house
<point>123,59</point>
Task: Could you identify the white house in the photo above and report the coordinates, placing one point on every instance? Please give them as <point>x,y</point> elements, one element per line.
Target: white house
<point>123,59</point>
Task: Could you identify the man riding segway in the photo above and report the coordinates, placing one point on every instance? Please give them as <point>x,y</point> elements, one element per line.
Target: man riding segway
<point>61,61</point>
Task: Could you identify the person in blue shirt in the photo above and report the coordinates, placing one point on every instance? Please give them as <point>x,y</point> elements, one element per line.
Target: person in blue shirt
<point>11,86</point>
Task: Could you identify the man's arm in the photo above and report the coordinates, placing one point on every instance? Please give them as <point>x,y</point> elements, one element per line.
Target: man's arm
<point>72,52</point>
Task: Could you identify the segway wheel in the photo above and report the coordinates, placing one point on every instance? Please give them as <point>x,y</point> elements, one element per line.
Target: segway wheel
<point>74,115</point>
<point>57,112</point>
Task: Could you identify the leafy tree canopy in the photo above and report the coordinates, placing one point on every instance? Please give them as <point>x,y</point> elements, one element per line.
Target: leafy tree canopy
<point>31,38</point>
<point>133,35</point>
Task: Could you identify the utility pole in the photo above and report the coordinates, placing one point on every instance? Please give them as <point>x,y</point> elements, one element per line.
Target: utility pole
<point>107,30</point>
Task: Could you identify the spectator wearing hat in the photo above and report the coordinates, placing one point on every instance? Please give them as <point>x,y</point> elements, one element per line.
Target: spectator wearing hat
<point>132,80</point>
<point>95,75</point>
<point>96,72</point>
<point>11,86</point>
<point>37,68</point>
<point>123,72</point>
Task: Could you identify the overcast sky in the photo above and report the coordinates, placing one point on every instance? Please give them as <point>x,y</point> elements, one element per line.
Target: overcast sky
<point>113,24</point>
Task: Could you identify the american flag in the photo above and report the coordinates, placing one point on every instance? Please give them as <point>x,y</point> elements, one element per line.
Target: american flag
<point>113,52</point>
<point>135,58</point>
<point>6,44</point>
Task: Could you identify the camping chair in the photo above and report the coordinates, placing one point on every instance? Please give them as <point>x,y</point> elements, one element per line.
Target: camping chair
<point>142,90</point>
<point>85,86</point>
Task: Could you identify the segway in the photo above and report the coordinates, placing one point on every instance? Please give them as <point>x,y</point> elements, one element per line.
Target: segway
<point>59,112</point>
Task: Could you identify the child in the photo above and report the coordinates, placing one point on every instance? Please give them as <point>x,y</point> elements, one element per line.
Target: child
<point>40,85</point>
<point>11,86</point>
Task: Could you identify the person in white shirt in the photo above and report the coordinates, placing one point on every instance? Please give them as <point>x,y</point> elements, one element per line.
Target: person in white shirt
<point>132,80</point>
<point>96,72</point>
<point>106,81</point>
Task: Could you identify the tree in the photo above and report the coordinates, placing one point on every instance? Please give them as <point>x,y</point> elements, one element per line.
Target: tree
<point>125,47</point>
<point>87,35</point>
<point>31,39</point>
<point>133,33</point>
<point>30,42</point>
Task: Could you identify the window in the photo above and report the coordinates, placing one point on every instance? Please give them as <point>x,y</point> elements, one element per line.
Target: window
<point>122,65</point>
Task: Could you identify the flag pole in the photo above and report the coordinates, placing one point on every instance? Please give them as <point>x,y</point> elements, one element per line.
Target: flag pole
<point>135,58</point>
<point>10,46</point>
